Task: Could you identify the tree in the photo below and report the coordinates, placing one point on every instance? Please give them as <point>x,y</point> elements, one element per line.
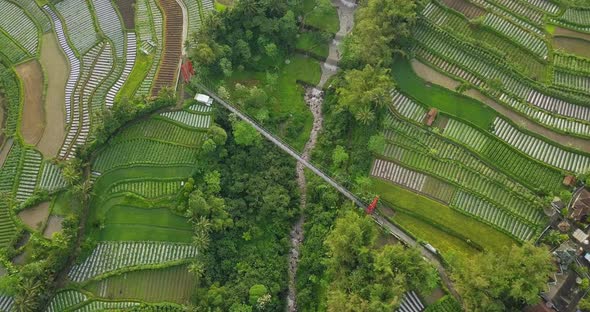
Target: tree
<point>245,135</point>
<point>377,144</point>
<point>339,156</point>
<point>505,280</point>
<point>256,292</point>
<point>382,29</point>
<point>362,91</point>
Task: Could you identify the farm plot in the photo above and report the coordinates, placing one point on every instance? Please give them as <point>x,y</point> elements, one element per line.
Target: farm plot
<point>571,63</point>
<point>16,23</point>
<point>64,300</point>
<point>160,129</point>
<point>519,8</point>
<point>169,66</point>
<point>467,8</point>
<point>51,178</point>
<point>106,305</point>
<point>188,119</point>
<point>526,170</point>
<point>127,13</point>
<point>130,55</point>
<point>7,227</point>
<point>33,121</point>
<point>407,107</point>
<point>79,23</point>
<point>35,217</point>
<point>144,152</point>
<point>6,303</point>
<point>541,150</point>
<point>28,173</point>
<point>11,50</point>
<point>72,59</point>
<point>96,67</point>
<point>11,94</point>
<point>148,189</point>
<point>574,81</point>
<point>572,45</point>
<point>110,24</point>
<point>150,29</point>
<point>56,69</point>
<point>517,34</point>
<point>33,9</point>
<point>174,284</point>
<point>493,215</point>
<point>194,15</point>
<point>544,5</point>
<point>111,256</point>
<point>576,18</point>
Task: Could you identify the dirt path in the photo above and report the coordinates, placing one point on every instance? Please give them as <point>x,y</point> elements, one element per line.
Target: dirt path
<point>33,116</point>
<point>431,75</point>
<point>56,68</point>
<point>314,98</point>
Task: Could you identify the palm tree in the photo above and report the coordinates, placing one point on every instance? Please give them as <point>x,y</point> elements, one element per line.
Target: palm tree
<point>29,291</point>
<point>201,240</point>
<point>365,115</point>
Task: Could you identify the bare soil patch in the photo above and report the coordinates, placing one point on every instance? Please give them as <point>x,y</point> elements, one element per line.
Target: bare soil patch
<point>126,9</point>
<point>468,9</point>
<point>35,216</point>
<point>564,32</point>
<point>433,76</point>
<point>33,117</point>
<point>56,68</point>
<point>572,45</point>
<point>53,225</point>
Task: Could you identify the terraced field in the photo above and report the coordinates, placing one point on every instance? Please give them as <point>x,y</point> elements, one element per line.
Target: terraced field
<point>169,67</point>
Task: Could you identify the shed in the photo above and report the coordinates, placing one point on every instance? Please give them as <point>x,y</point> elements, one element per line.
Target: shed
<point>580,204</point>
<point>204,99</point>
<point>569,180</point>
<point>430,116</point>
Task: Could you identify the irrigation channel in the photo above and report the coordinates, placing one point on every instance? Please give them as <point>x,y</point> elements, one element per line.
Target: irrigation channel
<point>397,232</point>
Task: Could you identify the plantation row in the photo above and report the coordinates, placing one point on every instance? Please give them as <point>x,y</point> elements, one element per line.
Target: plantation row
<point>29,171</point>
<point>96,65</point>
<point>407,107</point>
<point>522,37</point>
<point>79,23</point>
<point>160,129</point>
<point>169,67</point>
<point>475,182</point>
<point>189,119</point>
<point>194,15</point>
<point>411,303</point>
<point>399,175</point>
<point>112,256</point>
<point>147,188</point>
<point>72,59</point>
<point>502,156</point>
<point>106,305</point>
<point>13,52</point>
<point>6,303</point>
<point>558,106</point>
<point>32,8</point>
<point>541,150</point>
<point>144,151</point>
<point>151,30</point>
<point>430,143</point>
<point>130,55</point>
<point>15,22</point>
<point>577,18</point>
<point>199,108</point>
<point>7,229</point>
<point>64,300</point>
<point>110,23</point>
<point>11,90</point>
<point>491,214</point>
<point>9,170</point>
<point>516,7</point>
<point>51,178</point>
<point>577,82</point>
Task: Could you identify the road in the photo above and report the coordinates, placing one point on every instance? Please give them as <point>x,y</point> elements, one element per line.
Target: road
<point>384,223</point>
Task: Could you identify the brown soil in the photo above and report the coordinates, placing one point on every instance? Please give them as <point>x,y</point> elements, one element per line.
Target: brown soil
<point>126,9</point>
<point>4,149</point>
<point>468,9</point>
<point>53,226</point>
<point>431,75</point>
<point>33,121</point>
<point>56,69</point>
<point>35,216</point>
<point>168,70</point>
<point>564,32</point>
<point>572,45</point>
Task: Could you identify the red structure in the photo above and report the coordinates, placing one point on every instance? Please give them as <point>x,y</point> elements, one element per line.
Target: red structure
<point>187,70</point>
<point>372,206</point>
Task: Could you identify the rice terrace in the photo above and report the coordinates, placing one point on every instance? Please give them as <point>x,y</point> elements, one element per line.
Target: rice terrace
<point>294,155</point>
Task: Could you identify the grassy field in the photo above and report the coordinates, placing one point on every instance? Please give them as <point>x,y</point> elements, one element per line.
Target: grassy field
<point>312,42</point>
<point>443,99</point>
<point>294,115</point>
<point>173,284</point>
<point>438,213</point>
<point>142,65</point>
<point>325,20</point>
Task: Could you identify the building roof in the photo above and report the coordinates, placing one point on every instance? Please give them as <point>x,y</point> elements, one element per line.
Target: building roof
<point>569,180</point>
<point>430,116</point>
<point>581,204</point>
<point>580,236</point>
